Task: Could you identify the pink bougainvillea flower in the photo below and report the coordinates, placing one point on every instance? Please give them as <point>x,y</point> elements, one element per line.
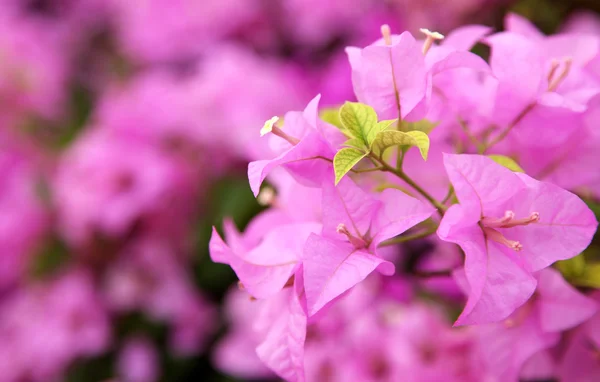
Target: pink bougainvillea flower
<point>542,89</point>
<point>354,224</point>
<point>556,306</point>
<point>267,267</point>
<point>509,225</point>
<point>580,359</point>
<point>301,147</point>
<point>282,350</point>
<point>396,78</point>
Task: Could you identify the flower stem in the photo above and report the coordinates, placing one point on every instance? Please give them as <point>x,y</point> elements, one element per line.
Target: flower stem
<point>404,239</point>
<point>400,174</point>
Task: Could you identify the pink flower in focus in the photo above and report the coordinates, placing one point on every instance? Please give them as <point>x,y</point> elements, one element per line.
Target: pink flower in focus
<point>354,224</point>
<point>509,226</point>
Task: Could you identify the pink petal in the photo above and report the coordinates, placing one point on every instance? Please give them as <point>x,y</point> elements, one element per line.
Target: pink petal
<point>464,38</point>
<point>265,269</point>
<point>347,204</point>
<point>442,59</point>
<point>332,267</point>
<point>504,351</point>
<point>497,283</point>
<point>561,306</point>
<point>376,68</point>
<point>302,160</point>
<point>481,183</point>
<point>397,213</point>
<point>283,348</point>
<point>565,229</point>
<point>520,25</point>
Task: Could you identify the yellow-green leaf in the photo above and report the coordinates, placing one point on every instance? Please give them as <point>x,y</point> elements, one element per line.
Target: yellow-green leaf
<point>384,125</point>
<point>360,121</point>
<point>331,115</point>
<point>423,125</point>
<point>572,268</point>
<point>344,160</point>
<point>356,143</point>
<point>507,162</point>
<point>389,138</point>
<point>589,278</point>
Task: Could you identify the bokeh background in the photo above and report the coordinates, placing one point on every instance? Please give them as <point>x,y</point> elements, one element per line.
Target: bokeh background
<point>125,130</point>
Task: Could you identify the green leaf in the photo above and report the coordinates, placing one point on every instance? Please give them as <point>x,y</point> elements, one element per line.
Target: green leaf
<point>389,138</point>
<point>423,125</point>
<point>384,125</point>
<point>590,277</point>
<point>507,162</point>
<point>360,121</point>
<point>356,143</point>
<point>344,160</point>
<point>572,268</point>
<point>331,115</point>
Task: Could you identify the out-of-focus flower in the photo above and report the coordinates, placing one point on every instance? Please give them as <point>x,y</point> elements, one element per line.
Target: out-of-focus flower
<point>180,29</point>
<point>149,277</point>
<point>138,361</point>
<point>108,185</point>
<point>34,69</point>
<point>47,325</point>
<point>24,219</point>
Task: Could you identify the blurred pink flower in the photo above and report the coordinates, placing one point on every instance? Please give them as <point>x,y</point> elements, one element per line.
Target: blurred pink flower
<point>48,325</point>
<point>138,361</point>
<point>34,69</point>
<point>24,220</point>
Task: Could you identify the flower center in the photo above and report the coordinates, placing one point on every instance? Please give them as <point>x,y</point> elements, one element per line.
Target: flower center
<point>489,225</point>
<point>357,242</point>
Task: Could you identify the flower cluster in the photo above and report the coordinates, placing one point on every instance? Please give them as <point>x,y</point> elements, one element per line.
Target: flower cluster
<point>462,177</point>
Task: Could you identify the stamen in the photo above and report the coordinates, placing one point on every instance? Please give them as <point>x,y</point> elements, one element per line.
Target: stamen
<point>386,32</point>
<point>431,37</point>
<point>498,222</point>
<point>357,242</point>
<point>553,67</point>
<point>266,196</point>
<point>508,220</point>
<point>533,218</point>
<point>269,127</point>
<point>560,78</point>
<point>496,236</point>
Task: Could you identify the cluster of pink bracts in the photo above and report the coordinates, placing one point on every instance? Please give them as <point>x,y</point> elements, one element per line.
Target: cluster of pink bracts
<point>317,263</point>
<point>116,116</point>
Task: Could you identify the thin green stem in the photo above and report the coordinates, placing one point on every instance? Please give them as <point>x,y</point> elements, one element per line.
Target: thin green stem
<point>449,195</point>
<point>509,128</point>
<point>404,239</point>
<point>359,171</point>
<point>424,274</point>
<point>386,167</point>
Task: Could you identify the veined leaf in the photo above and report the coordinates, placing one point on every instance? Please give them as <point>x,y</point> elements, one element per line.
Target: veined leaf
<point>356,143</point>
<point>331,115</point>
<point>344,160</point>
<point>423,125</point>
<point>389,138</point>
<point>360,121</point>
<point>507,162</point>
